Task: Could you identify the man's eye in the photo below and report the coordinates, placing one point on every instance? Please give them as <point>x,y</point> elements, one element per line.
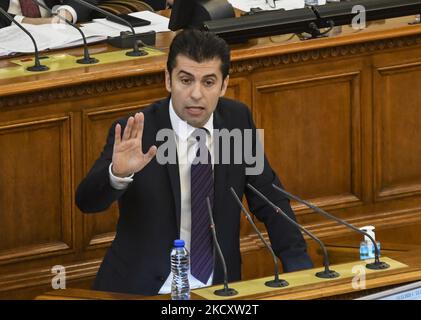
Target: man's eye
<point>209,83</point>
<point>186,81</point>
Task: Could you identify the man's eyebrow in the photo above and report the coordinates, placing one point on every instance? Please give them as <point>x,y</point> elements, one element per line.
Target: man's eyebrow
<point>211,75</point>
<point>185,72</point>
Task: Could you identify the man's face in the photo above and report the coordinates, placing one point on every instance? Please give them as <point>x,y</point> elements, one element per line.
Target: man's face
<point>195,88</point>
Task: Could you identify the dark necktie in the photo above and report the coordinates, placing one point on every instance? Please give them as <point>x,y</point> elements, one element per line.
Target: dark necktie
<point>201,251</point>
<point>29,9</point>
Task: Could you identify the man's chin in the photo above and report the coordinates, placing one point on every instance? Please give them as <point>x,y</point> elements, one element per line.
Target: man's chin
<point>197,122</point>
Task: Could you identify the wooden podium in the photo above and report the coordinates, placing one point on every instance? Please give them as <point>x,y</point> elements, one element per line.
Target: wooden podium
<point>405,268</point>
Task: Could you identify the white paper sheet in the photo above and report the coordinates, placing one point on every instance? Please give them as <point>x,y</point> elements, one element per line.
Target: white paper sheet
<point>13,39</point>
<point>109,28</point>
<point>53,36</point>
<point>246,5</point>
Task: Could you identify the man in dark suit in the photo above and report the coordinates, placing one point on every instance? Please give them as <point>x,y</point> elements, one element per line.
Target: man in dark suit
<point>160,202</point>
<point>27,12</point>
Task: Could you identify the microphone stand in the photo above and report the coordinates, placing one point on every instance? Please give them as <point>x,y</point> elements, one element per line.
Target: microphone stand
<point>86,58</point>
<point>37,67</point>
<point>226,291</point>
<point>327,273</point>
<point>136,52</point>
<point>275,283</point>
<point>377,265</point>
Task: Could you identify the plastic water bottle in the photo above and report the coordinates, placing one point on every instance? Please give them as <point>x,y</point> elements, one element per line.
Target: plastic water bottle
<point>180,264</point>
<point>367,249</point>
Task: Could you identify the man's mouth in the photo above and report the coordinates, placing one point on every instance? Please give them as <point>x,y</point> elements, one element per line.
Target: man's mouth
<point>195,110</point>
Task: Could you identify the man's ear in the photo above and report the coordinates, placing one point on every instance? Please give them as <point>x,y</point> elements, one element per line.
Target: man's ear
<point>224,86</point>
<point>167,80</point>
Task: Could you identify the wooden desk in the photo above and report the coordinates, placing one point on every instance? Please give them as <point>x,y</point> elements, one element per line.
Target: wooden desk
<point>342,128</point>
<point>332,289</point>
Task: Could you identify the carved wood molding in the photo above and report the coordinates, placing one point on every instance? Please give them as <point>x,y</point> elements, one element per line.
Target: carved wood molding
<point>42,277</point>
<point>82,89</point>
<point>332,229</point>
<point>34,252</point>
<point>239,66</point>
<point>325,53</point>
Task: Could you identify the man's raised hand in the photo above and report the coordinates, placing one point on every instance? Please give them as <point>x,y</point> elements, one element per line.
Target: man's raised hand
<point>128,156</point>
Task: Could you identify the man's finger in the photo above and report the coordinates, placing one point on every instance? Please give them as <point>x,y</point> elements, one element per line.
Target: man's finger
<point>139,133</point>
<point>117,134</point>
<point>128,129</point>
<point>151,153</point>
<point>136,125</point>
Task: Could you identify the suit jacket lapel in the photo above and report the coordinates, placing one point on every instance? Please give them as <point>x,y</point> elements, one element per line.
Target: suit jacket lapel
<point>173,171</point>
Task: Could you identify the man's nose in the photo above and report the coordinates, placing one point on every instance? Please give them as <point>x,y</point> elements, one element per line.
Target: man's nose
<point>196,92</point>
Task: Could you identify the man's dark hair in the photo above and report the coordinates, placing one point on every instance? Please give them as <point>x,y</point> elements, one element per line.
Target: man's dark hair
<point>199,46</point>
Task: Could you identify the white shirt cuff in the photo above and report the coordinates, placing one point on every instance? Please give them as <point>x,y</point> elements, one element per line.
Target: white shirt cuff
<point>19,18</point>
<point>68,8</point>
<point>117,182</point>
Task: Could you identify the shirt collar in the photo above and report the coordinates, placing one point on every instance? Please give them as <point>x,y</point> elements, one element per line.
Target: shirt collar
<point>182,129</point>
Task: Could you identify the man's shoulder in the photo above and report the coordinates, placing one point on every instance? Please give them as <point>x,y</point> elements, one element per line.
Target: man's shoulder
<point>233,112</point>
<point>232,105</point>
<point>156,107</point>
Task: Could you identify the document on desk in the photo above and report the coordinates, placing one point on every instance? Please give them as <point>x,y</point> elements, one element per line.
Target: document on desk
<point>109,28</point>
<point>54,36</point>
<point>47,36</point>
<point>246,5</point>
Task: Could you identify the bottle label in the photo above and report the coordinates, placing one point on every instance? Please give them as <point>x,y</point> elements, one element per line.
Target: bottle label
<point>368,251</point>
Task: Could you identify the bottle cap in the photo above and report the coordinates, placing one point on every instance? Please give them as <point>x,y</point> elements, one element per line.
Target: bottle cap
<point>178,243</point>
<point>370,231</point>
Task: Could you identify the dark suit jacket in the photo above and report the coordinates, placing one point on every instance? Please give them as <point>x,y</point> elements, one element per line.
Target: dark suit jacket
<point>83,13</point>
<point>138,259</point>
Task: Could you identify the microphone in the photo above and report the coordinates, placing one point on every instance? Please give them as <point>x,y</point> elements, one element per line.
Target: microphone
<point>326,274</point>
<point>377,265</point>
<point>136,52</point>
<point>86,58</point>
<point>276,282</point>
<point>225,292</point>
<point>37,66</point>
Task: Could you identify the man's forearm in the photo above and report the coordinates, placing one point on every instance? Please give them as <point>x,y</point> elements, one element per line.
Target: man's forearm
<point>64,13</point>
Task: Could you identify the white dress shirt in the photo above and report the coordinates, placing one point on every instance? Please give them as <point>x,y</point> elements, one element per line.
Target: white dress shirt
<point>186,150</point>
<point>14,8</point>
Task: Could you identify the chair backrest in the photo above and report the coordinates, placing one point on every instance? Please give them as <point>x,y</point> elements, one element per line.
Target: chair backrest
<point>122,7</point>
<point>133,5</point>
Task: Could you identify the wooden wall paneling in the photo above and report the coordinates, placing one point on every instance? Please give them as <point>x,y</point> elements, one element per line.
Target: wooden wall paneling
<point>34,187</point>
<point>397,130</point>
<point>313,133</point>
<point>239,88</point>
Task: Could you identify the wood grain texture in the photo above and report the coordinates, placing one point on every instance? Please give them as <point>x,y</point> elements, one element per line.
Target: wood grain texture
<point>342,128</point>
